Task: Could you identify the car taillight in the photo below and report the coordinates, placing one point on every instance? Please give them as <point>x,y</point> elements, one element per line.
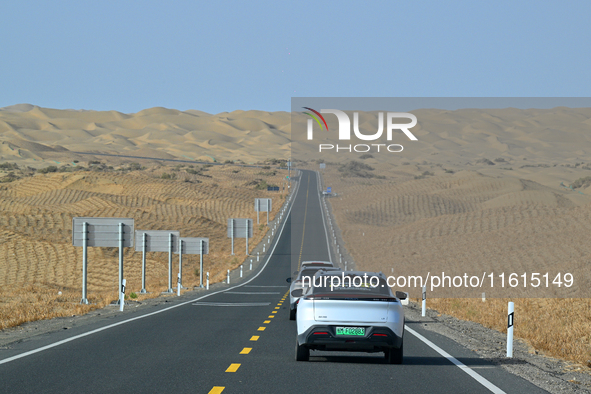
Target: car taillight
<point>380,335</point>
<point>320,333</point>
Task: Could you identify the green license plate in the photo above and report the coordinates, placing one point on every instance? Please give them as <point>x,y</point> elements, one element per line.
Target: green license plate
<point>360,331</point>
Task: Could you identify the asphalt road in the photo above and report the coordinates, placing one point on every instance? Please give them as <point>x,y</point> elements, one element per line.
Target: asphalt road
<point>238,340</point>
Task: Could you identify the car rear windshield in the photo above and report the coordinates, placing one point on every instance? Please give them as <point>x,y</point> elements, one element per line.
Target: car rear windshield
<point>350,284</point>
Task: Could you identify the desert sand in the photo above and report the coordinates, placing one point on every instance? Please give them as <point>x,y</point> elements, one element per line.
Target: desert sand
<point>481,190</point>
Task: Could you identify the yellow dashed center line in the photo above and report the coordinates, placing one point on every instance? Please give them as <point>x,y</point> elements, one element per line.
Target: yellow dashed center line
<point>254,338</point>
<point>262,328</point>
<point>271,316</point>
<point>233,368</point>
<point>246,350</point>
<point>216,390</point>
<point>274,312</point>
<point>277,307</point>
<point>267,322</point>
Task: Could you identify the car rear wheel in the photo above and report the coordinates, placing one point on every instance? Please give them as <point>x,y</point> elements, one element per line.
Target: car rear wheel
<point>292,314</point>
<point>394,356</point>
<point>302,352</point>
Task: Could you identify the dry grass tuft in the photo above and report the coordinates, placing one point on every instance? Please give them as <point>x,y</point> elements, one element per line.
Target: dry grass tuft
<point>557,327</point>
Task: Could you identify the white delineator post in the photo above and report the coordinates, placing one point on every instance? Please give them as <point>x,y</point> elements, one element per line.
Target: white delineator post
<point>510,316</point>
<point>122,295</point>
<point>228,276</point>
<point>424,310</point>
<point>258,256</point>
<point>178,285</point>
<point>207,283</point>
<point>241,270</point>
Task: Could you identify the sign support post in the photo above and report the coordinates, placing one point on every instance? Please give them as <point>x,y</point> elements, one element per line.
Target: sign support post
<point>170,246</point>
<point>143,290</point>
<point>121,256</point>
<point>201,263</point>
<point>180,265</point>
<point>232,232</point>
<point>84,262</point>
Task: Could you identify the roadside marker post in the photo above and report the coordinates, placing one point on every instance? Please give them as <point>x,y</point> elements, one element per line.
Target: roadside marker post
<point>510,317</point>
<point>250,265</point>
<point>178,285</point>
<point>241,270</point>
<point>122,295</point>
<point>483,297</point>
<point>228,276</point>
<point>258,256</point>
<point>424,311</point>
<point>207,283</point>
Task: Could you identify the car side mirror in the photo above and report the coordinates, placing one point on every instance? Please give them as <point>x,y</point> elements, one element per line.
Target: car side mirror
<point>401,295</point>
<point>297,293</point>
<point>288,280</point>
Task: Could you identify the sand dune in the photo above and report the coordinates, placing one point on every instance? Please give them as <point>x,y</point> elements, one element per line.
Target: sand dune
<point>157,132</point>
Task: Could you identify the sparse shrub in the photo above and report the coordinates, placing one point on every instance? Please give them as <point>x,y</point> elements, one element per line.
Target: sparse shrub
<point>166,175</point>
<point>235,171</point>
<point>356,169</point>
<point>9,166</point>
<point>449,171</point>
<point>366,156</point>
<point>133,295</point>
<point>582,182</point>
<point>262,185</point>
<point>48,169</point>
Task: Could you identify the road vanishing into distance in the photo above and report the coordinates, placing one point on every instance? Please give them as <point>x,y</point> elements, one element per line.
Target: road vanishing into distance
<point>238,339</point>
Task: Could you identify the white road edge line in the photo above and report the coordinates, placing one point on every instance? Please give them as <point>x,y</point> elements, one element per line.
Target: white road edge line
<point>456,362</point>
<point>30,352</point>
<point>323,221</point>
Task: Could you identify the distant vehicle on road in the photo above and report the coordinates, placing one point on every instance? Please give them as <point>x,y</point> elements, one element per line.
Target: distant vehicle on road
<point>358,314</point>
<point>307,271</point>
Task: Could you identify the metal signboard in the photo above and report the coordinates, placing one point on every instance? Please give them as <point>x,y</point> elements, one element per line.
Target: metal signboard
<point>263,204</point>
<point>102,232</point>
<point>194,245</point>
<point>157,240</point>
<point>239,228</point>
<point>329,189</point>
<point>322,166</point>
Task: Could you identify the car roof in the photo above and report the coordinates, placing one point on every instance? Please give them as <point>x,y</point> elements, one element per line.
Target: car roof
<point>352,273</point>
<point>316,263</point>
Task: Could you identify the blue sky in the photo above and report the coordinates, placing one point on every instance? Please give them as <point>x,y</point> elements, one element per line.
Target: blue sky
<point>228,55</point>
